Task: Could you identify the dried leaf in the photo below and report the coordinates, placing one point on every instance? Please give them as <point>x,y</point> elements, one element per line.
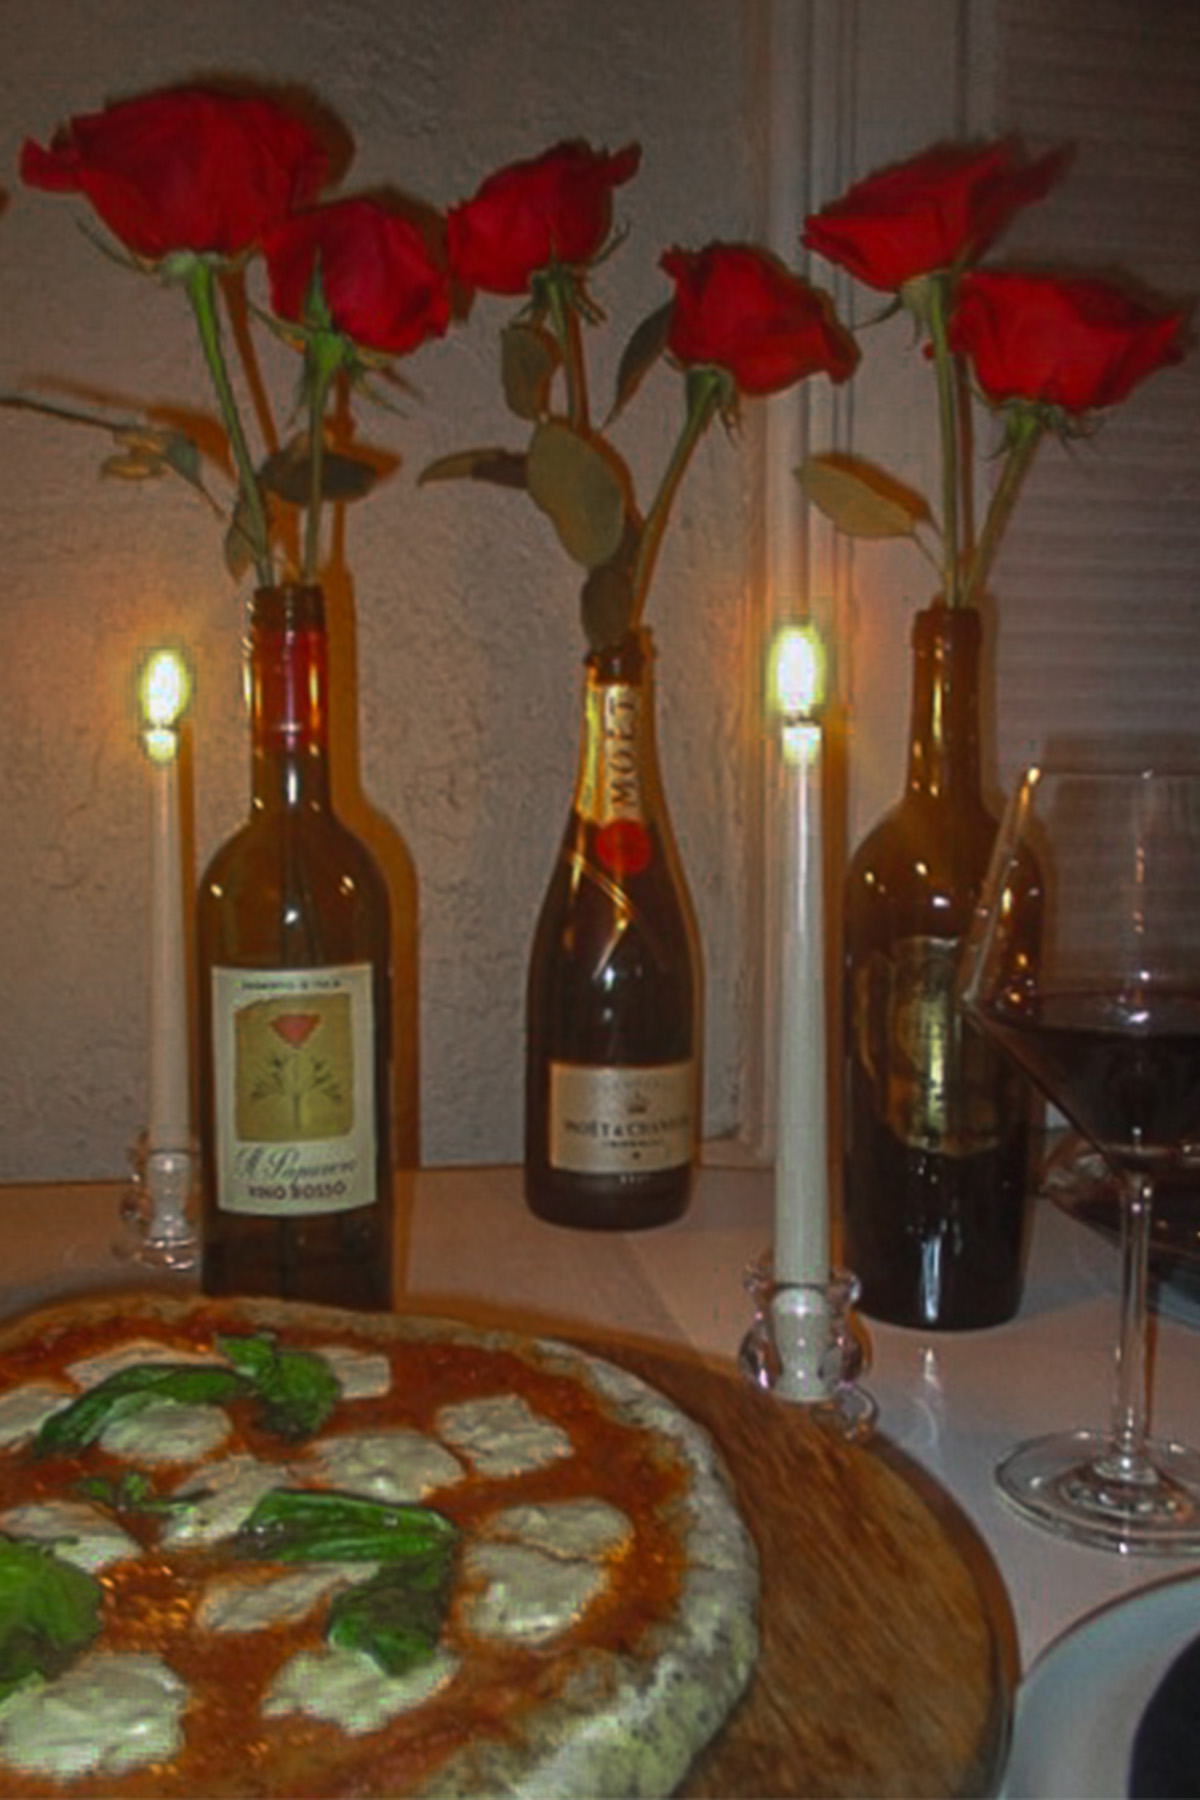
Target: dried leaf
<point>133,465</point>
<point>606,604</point>
<point>578,485</point>
<point>288,474</point>
<point>143,451</point>
<point>860,499</point>
<point>506,468</point>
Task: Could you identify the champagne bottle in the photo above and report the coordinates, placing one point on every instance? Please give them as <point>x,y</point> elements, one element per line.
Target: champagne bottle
<point>936,1164</point>
<point>613,1007</point>
<point>294,1004</point>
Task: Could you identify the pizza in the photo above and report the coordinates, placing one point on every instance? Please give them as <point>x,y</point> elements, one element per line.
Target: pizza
<point>264,1549</point>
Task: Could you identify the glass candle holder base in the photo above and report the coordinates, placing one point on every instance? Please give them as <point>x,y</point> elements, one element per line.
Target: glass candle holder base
<point>156,1229</point>
<point>802,1347</point>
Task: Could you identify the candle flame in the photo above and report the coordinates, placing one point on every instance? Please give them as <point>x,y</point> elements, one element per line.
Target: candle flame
<point>799,672</point>
<point>163,693</point>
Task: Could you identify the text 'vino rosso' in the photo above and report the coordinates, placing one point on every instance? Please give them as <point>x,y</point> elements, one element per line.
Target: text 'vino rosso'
<point>295,994</point>
<point>612,1015</point>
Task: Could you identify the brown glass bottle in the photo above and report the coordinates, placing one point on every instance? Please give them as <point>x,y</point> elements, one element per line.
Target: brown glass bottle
<point>936,1166</point>
<point>294,1005</point>
<point>613,1000</point>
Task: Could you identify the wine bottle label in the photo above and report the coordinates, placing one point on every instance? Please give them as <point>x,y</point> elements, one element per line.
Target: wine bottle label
<point>294,1083</point>
<point>936,1081</point>
<point>620,1121</point>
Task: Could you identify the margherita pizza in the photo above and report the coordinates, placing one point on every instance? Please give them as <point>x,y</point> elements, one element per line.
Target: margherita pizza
<point>264,1550</point>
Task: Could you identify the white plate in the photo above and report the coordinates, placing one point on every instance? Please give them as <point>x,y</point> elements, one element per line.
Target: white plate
<point>1079,1706</point>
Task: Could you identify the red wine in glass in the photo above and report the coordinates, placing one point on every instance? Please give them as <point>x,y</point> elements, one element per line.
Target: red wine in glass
<point>1125,1071</point>
<point>1104,1015</point>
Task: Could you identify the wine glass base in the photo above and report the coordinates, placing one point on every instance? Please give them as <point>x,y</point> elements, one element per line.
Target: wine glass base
<point>1074,1484</point>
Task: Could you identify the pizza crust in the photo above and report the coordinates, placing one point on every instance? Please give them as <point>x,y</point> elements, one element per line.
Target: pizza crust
<point>613,1721</point>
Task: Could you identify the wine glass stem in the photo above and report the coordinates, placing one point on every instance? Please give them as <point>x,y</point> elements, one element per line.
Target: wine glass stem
<point>1129,1388</point>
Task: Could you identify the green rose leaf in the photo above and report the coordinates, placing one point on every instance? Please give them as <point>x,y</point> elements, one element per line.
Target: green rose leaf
<point>49,1613</point>
<point>579,486</point>
<point>643,350</point>
<point>505,468</point>
<point>860,499</point>
<point>529,358</point>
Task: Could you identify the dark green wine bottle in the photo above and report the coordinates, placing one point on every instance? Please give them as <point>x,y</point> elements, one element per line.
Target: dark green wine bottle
<point>294,1005</point>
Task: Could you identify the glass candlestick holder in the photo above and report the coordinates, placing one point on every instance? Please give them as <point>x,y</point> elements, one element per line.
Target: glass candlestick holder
<point>155,1210</point>
<point>803,1347</point>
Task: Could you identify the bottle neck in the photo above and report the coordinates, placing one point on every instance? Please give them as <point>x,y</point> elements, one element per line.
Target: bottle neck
<point>618,765</point>
<point>289,698</point>
<point>943,752</point>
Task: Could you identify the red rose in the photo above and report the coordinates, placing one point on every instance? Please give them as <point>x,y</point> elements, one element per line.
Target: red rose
<point>186,169</point>
<point>1073,343</point>
<point>741,309</point>
<point>942,208</point>
<point>557,207</point>
<point>384,287</point>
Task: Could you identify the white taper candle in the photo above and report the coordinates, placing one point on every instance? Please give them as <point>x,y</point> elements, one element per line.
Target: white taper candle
<point>801,1162</point>
<point>169,1124</point>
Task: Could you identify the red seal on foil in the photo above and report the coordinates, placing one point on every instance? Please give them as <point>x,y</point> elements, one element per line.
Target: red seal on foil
<point>623,847</point>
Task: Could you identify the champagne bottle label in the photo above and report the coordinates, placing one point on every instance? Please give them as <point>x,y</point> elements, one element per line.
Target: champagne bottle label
<point>610,787</point>
<point>620,1121</point>
<point>294,1089</point>
<point>936,1081</point>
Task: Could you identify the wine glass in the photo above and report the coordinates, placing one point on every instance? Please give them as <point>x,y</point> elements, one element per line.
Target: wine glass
<point>1102,1010</point>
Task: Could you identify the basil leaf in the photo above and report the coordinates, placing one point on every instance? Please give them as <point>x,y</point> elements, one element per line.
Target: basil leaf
<point>134,1493</point>
<point>297,1390</point>
<point>49,1612</point>
<point>319,1525</point>
<point>396,1617</point>
<point>127,1392</point>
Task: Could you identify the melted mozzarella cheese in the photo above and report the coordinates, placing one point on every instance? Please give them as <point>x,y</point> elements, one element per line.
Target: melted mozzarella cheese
<point>361,1374</point>
<point>106,1714</point>
<point>90,1370</point>
<point>526,1597</point>
<point>251,1603</point>
<point>384,1465</point>
<point>502,1435</point>
<point>80,1534</point>
<point>23,1409</point>
<point>350,1690</point>
<point>166,1432</point>
<point>584,1530</point>
<point>223,1495</point>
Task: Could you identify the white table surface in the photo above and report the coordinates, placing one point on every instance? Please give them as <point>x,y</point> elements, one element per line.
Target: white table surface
<point>954,1402</point>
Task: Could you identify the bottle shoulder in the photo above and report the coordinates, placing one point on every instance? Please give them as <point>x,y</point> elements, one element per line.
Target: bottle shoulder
<point>919,870</point>
<point>314,834</point>
<point>289,889</point>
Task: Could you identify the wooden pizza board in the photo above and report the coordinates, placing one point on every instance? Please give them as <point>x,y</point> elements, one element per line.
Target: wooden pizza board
<point>886,1666</point>
<point>887,1662</point>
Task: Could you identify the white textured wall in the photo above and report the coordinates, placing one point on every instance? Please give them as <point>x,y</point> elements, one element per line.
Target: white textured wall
<point>467,642</point>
